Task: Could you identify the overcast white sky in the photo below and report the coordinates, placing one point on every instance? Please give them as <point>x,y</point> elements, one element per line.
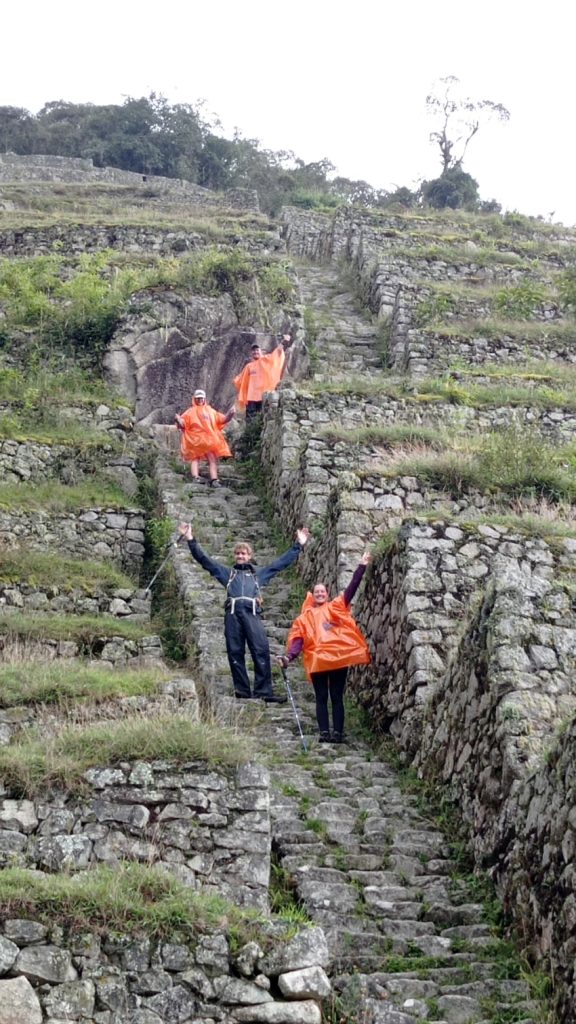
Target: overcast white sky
<point>345,81</point>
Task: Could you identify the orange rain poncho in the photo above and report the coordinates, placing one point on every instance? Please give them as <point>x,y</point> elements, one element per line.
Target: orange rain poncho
<point>203,433</point>
<point>330,636</point>
<point>258,376</point>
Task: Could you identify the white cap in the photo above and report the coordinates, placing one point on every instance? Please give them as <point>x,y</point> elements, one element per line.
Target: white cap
<point>199,393</point>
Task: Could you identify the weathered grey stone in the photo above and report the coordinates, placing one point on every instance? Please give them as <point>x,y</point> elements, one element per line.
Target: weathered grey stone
<point>307,949</point>
<point>459,1009</point>
<point>111,989</point>
<point>18,815</point>
<point>74,1000</point>
<point>308,983</point>
<point>174,1005</point>
<point>19,1003</point>
<point>61,853</point>
<point>149,982</point>
<point>247,958</point>
<point>8,953</point>
<point>233,991</point>
<point>175,957</point>
<point>306,1012</point>
<point>45,963</point>
<point>198,982</point>
<point>24,933</point>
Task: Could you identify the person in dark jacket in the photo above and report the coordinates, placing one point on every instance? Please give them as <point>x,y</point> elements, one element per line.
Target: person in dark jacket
<point>243,625</point>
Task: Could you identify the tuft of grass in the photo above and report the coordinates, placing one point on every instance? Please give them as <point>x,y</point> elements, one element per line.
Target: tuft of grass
<point>389,435</point>
<point>36,682</point>
<point>51,568</point>
<point>52,496</point>
<point>131,898</point>
<point>44,381</point>
<point>283,898</point>
<point>85,629</point>
<point>34,764</point>
<point>515,461</point>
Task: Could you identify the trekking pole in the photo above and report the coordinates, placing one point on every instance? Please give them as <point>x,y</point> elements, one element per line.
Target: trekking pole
<point>173,544</point>
<point>294,708</point>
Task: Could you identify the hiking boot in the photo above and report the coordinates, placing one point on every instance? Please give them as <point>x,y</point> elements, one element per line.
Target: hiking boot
<point>215,483</point>
<point>196,479</point>
<point>274,699</point>
<point>324,737</point>
<point>244,696</point>
<point>338,737</point>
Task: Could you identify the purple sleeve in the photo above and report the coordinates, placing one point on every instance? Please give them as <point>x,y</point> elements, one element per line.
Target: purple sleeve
<point>354,583</point>
<point>295,648</point>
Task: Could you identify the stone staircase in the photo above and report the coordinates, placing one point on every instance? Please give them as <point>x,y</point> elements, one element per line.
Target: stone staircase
<point>408,942</point>
<point>346,345</point>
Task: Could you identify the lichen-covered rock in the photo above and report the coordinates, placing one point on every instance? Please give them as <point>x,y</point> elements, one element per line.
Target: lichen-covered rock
<point>45,963</point>
<point>19,1003</point>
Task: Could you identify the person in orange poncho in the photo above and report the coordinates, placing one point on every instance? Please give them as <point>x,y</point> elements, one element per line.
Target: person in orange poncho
<point>331,641</point>
<point>202,436</point>
<point>261,374</point>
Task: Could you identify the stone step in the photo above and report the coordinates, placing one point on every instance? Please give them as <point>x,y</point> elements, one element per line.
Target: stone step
<point>368,867</point>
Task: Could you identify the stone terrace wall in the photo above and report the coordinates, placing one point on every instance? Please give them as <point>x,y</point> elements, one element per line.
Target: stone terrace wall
<point>15,167</point>
<point>205,828</point>
<point>111,978</point>
<point>487,735</point>
<point>73,240</point>
<point>110,651</point>
<point>415,607</point>
<point>122,603</point>
<point>329,484</point>
<point>391,283</point>
<point>22,461</point>
<point>93,533</point>
<point>473,696</point>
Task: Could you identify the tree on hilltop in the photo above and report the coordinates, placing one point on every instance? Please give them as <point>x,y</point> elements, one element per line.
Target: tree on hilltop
<point>459,119</point>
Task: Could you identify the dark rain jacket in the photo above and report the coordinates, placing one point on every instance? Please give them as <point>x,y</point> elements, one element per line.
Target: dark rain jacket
<point>244,582</point>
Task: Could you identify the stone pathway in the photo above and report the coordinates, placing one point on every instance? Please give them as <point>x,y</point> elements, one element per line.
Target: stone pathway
<point>347,343</point>
<point>407,941</point>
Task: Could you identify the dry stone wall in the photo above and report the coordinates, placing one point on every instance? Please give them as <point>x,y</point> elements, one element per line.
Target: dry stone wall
<point>50,975</point>
<point>23,461</point>
<point>472,630</point>
<point>15,167</point>
<point>204,828</point>
<point>416,607</point>
<point>392,264</point>
<point>122,603</point>
<point>97,533</point>
<point>74,240</point>
<point>493,735</point>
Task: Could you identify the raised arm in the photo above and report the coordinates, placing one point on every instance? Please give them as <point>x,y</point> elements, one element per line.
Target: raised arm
<point>357,578</point>
<point>267,572</point>
<point>216,569</point>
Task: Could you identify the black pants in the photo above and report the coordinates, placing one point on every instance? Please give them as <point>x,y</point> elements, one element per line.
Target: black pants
<point>331,684</point>
<point>243,628</point>
<point>253,409</point>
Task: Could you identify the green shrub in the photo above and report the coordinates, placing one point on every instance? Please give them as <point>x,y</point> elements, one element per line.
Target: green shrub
<point>567,289</point>
<point>275,283</point>
<point>518,302</point>
<point>435,309</point>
